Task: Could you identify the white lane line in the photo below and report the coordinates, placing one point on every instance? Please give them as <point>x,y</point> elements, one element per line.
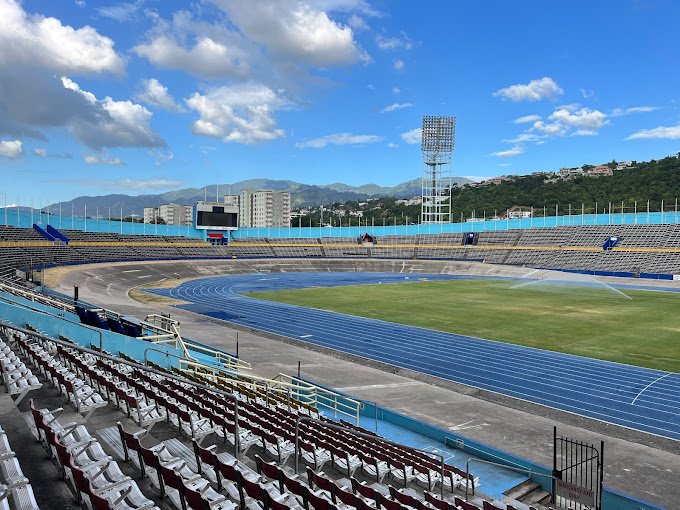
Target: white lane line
<point>643,389</point>
<point>131,271</point>
<point>145,276</point>
<point>379,386</point>
<point>305,336</point>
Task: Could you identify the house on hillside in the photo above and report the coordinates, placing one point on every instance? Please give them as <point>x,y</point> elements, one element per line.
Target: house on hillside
<point>599,170</point>
<point>568,173</point>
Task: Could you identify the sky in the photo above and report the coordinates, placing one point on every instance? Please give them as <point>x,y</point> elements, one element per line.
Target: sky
<point>147,96</point>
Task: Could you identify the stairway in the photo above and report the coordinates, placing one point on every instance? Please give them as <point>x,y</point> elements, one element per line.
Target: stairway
<point>530,493</point>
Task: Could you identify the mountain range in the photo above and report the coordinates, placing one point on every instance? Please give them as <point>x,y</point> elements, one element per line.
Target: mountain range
<point>302,195</point>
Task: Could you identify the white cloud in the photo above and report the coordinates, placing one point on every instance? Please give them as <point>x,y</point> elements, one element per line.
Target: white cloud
<point>339,139</point>
<point>92,159</point>
<point>515,151</point>
<point>206,56</point>
<point>581,118</point>
<point>396,90</point>
<point>120,12</point>
<point>42,41</point>
<point>587,93</point>
<point>661,132</point>
<point>618,112</point>
<point>392,145</point>
<point>294,28</point>
<point>398,64</point>
<point>43,153</point>
<point>535,90</point>
<point>357,22</point>
<point>525,137</point>
<point>156,94</point>
<point>241,113</point>
<point>11,149</point>
<point>393,43</point>
<point>81,3</point>
<point>112,123</point>
<point>395,106</point>
<point>526,119</point>
<point>413,136</point>
<point>552,129</point>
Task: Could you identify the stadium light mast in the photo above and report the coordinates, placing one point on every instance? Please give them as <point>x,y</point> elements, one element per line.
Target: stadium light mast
<point>437,149</point>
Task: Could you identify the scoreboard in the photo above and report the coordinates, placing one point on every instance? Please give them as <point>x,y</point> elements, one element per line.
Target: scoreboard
<point>216,216</point>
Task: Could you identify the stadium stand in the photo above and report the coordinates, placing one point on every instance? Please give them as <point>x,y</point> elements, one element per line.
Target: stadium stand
<point>246,432</point>
<point>641,250</point>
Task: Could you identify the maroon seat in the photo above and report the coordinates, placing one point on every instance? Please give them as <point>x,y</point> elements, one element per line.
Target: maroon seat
<point>389,504</point>
<point>316,502</point>
<point>407,500</point>
<point>364,490</point>
<point>438,503</point>
<point>249,488</point>
<point>465,505</point>
<point>271,504</point>
<point>345,497</point>
<point>321,482</point>
<point>270,471</point>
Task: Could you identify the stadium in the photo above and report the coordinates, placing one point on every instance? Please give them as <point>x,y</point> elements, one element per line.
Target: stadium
<point>352,347</point>
<point>348,318</point>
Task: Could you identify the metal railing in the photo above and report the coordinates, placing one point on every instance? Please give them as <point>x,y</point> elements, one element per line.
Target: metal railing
<point>37,297</point>
<point>319,396</point>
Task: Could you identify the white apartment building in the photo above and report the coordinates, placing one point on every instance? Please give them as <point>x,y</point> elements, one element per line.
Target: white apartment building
<point>171,214</point>
<point>261,208</point>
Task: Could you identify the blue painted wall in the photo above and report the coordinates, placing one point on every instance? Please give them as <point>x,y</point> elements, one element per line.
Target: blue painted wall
<point>25,219</point>
<point>115,343</point>
<point>477,226</point>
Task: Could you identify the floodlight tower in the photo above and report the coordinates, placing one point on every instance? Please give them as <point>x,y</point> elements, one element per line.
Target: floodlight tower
<point>437,148</point>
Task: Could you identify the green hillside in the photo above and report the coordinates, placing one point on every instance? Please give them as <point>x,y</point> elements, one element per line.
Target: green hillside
<point>653,181</point>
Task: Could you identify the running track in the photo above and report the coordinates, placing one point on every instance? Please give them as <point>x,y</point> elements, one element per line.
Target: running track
<point>638,398</point>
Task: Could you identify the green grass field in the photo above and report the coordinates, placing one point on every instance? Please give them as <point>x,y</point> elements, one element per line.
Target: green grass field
<point>588,321</point>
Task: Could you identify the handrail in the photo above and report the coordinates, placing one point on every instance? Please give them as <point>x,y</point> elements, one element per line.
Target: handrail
<point>33,296</point>
<point>337,401</point>
<point>243,365</point>
<point>299,419</point>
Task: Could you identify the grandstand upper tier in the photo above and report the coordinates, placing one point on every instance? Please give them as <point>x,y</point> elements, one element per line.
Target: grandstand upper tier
<point>639,250</point>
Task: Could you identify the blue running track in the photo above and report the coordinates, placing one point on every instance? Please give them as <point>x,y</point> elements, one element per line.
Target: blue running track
<point>634,397</point>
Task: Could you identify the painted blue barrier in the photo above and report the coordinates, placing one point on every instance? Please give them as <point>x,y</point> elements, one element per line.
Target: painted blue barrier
<point>115,343</point>
<point>56,234</point>
<point>474,226</point>
<point>42,232</point>
<point>24,219</point>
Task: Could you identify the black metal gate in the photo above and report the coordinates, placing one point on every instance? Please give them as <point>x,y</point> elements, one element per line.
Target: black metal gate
<point>577,474</point>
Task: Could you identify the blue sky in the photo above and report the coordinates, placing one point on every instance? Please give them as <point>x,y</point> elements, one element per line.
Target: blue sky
<point>146,96</point>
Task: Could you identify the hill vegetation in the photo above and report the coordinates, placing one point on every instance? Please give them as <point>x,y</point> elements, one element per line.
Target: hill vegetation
<point>654,181</point>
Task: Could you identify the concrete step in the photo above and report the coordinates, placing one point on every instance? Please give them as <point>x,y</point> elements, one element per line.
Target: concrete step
<point>521,490</point>
<point>538,496</point>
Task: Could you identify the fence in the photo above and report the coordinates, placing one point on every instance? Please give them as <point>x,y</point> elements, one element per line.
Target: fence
<point>26,219</point>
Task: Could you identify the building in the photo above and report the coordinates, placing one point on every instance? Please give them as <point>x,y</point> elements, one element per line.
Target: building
<point>599,170</point>
<point>171,214</point>
<point>262,208</point>
<point>624,165</point>
<point>566,173</point>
